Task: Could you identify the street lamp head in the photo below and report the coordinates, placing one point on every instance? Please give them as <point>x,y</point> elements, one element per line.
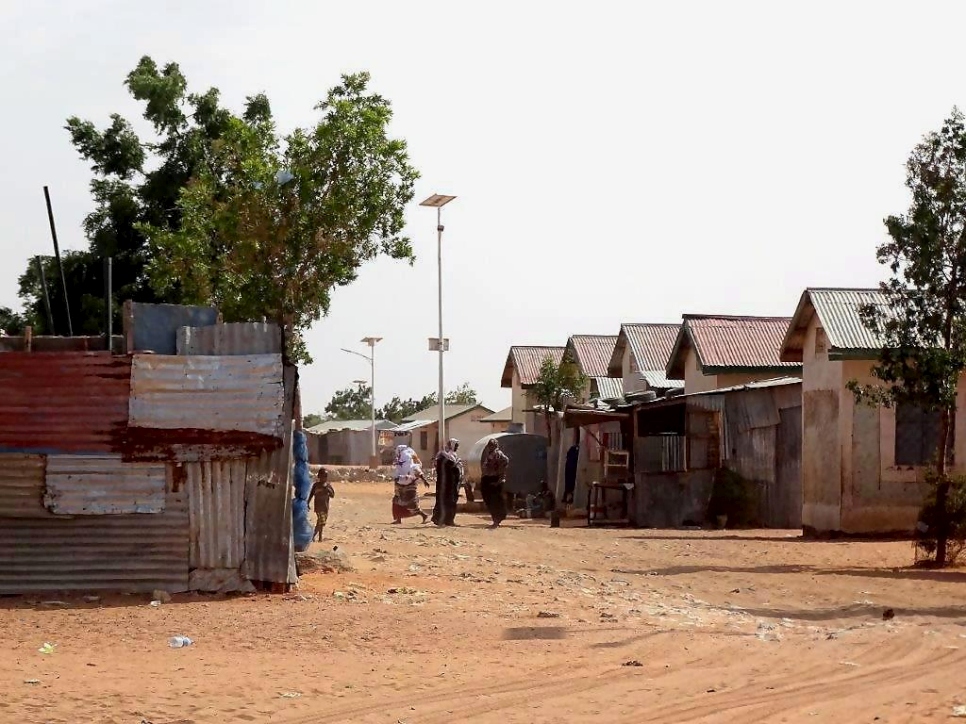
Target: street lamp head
<point>371,341</point>
<point>437,200</point>
<point>360,382</point>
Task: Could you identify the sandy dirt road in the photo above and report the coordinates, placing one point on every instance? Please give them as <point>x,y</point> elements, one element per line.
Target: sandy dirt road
<point>524,624</point>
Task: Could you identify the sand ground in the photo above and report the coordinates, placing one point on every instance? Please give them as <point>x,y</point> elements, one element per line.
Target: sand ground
<point>523,624</point>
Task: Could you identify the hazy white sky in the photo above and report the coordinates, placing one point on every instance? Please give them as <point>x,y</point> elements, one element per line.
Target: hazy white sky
<point>614,162</point>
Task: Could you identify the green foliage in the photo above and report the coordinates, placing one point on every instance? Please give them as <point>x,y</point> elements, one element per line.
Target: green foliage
<point>557,383</point>
<point>271,224</point>
<point>311,420</point>
<point>923,323</point>
<point>462,395</point>
<point>10,321</point>
<point>398,409</point>
<point>218,208</point>
<point>735,497</point>
<point>352,403</point>
<point>954,515</point>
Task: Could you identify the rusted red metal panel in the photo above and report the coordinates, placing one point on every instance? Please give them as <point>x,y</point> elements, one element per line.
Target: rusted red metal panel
<point>65,402</point>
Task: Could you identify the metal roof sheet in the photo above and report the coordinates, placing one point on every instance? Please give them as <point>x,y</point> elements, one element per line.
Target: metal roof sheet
<point>838,314</point>
<point>410,426</point>
<point>63,402</point>
<point>216,513</point>
<point>230,339</point>
<point>431,413</point>
<point>527,361</point>
<point>103,485</point>
<point>658,380</point>
<point>224,393</point>
<point>504,415</point>
<point>354,425</point>
<point>650,346</point>
<point>592,352</point>
<point>608,388</point>
<point>22,486</point>
<point>731,343</point>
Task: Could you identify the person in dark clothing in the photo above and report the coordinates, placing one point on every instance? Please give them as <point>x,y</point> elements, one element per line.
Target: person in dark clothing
<point>570,473</point>
<point>493,465</point>
<point>449,476</point>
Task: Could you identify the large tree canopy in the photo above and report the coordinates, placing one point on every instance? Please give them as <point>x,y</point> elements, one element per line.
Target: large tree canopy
<point>353,403</point>
<point>219,208</point>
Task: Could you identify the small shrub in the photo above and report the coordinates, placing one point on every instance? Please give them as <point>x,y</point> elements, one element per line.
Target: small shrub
<point>734,496</point>
<point>925,536</point>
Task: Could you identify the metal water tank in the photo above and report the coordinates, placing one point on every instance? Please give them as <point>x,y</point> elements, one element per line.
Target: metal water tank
<point>528,461</point>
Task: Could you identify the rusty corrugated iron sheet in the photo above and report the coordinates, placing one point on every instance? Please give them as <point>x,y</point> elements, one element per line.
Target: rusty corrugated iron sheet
<point>219,394</point>
<point>110,552</point>
<point>68,402</point>
<point>241,338</point>
<point>592,352</point>
<point>527,362</point>
<point>269,550</point>
<point>838,315</point>
<point>103,485</point>
<point>216,508</point>
<point>22,486</point>
<point>650,346</point>
<point>731,344</point>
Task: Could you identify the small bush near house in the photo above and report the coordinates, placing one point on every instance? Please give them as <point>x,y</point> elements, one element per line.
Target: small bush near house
<point>926,527</point>
<point>734,497</point>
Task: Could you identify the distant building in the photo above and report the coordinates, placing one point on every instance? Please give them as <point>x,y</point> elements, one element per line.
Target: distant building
<point>592,354</point>
<point>347,442</point>
<point>464,422</point>
<point>520,374</point>
<point>640,358</point>
<point>500,421</point>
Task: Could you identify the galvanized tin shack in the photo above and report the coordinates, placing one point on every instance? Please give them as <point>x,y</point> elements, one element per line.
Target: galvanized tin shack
<point>146,471</point>
<point>681,443</point>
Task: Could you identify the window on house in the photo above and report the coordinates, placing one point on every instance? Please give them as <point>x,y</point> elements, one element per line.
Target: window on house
<point>424,440</point>
<point>917,435</point>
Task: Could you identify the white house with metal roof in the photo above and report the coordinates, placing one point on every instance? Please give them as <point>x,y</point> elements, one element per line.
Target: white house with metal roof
<point>862,466</point>
<point>640,357</point>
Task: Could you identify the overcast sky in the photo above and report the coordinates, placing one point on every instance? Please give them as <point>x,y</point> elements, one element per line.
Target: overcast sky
<point>614,162</point>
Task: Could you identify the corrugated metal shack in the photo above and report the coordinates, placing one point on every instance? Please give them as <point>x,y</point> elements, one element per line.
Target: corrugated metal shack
<point>682,443</point>
<point>165,467</point>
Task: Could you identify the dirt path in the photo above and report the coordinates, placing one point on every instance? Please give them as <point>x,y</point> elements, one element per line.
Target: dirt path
<point>524,624</point>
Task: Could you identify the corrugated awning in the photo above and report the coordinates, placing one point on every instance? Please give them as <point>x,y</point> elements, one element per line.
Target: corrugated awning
<point>574,417</point>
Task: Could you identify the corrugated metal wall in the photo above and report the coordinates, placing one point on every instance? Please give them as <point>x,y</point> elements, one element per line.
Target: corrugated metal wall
<point>65,402</point>
<point>243,338</point>
<point>105,552</point>
<point>216,505</point>
<point>22,487</point>
<point>103,485</point>
<point>241,393</point>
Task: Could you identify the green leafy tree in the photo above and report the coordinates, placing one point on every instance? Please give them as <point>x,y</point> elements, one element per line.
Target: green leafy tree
<point>462,395</point>
<point>555,385</point>
<point>311,420</point>
<point>923,323</point>
<point>397,409</point>
<point>10,321</point>
<point>352,403</point>
<point>136,181</point>
<point>271,224</point>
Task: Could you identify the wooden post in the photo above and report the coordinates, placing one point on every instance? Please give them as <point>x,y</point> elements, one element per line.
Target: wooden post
<point>127,324</point>
<point>28,338</point>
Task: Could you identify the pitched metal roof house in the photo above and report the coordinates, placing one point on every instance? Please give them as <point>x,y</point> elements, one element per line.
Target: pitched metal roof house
<point>713,351</point>
<point>640,357</point>
<point>520,373</point>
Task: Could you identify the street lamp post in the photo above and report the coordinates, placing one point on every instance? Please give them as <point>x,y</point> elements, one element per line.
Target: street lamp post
<point>438,201</point>
<point>371,358</point>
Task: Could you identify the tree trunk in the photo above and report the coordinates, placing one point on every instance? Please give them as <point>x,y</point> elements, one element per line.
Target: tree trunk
<point>942,489</point>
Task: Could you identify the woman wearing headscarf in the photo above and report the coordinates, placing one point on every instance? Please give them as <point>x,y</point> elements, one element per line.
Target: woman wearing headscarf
<point>449,476</point>
<point>405,501</point>
<point>493,465</point>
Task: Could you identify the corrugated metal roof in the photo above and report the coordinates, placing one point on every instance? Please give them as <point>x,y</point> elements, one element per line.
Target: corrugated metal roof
<point>241,338</point>
<point>410,426</point>
<point>63,402</point>
<point>650,344</point>
<point>527,362</point>
<point>354,425</point>
<point>658,380</point>
<point>103,485</point>
<point>838,314</point>
<point>216,512</point>
<point>84,553</point>
<point>22,486</point>
<point>724,343</point>
<point>592,352</point>
<point>238,393</point>
<point>607,388</point>
<point>432,413</point>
